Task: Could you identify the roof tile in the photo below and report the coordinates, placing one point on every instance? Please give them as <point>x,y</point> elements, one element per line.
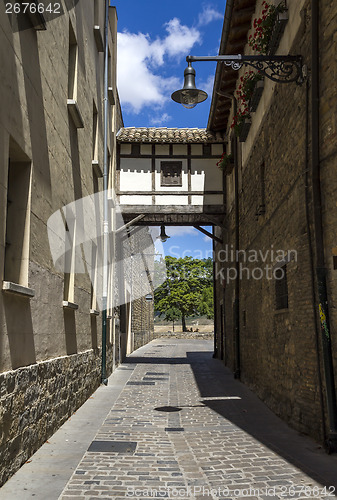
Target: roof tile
<point>173,135</point>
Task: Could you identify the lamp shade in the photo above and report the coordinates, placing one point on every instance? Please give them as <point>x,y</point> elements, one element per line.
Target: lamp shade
<point>163,236</point>
<point>189,96</point>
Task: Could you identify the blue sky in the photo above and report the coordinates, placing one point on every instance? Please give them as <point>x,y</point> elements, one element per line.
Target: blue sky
<point>186,241</point>
<point>154,39</point>
<point>153,42</point>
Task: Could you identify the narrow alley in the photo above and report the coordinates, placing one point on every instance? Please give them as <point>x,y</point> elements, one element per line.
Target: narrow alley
<point>174,423</point>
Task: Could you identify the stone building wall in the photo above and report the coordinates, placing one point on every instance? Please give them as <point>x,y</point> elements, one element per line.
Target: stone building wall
<point>328,164</point>
<point>50,351</point>
<point>280,353</point>
<point>138,273</point>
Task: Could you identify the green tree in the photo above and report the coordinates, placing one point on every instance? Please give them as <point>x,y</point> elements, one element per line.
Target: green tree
<point>184,288</point>
<point>206,307</point>
<point>172,314</point>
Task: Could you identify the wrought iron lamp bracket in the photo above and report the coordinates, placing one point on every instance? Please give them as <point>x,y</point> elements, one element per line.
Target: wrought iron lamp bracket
<point>279,69</point>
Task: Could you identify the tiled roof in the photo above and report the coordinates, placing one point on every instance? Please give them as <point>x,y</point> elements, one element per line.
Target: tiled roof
<point>174,135</point>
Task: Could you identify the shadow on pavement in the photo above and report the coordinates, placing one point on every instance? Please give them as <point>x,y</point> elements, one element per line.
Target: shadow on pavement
<point>250,414</point>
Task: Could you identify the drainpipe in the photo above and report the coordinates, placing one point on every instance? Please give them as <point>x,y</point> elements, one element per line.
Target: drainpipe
<point>105,198</point>
<point>236,308</point>
<point>321,270</point>
<point>236,311</point>
<point>215,353</point>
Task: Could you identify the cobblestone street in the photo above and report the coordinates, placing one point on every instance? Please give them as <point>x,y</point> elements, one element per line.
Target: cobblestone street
<point>182,427</point>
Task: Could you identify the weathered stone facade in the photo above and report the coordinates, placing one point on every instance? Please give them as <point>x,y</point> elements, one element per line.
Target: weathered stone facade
<point>51,143</point>
<point>37,399</point>
<point>277,350</point>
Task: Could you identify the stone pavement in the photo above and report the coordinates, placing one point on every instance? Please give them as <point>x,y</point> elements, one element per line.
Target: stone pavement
<point>179,427</point>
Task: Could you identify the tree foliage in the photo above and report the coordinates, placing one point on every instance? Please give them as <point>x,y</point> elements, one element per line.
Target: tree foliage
<point>187,290</point>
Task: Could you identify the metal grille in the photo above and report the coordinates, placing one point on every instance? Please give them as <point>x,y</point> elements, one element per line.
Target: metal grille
<point>170,172</point>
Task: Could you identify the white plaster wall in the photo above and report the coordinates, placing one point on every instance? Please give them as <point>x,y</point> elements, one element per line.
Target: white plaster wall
<point>180,149</point>
<point>135,174</point>
<point>197,200</point>
<point>146,149</point>
<point>217,149</point>
<point>171,200</point>
<point>125,149</point>
<point>197,180</point>
<point>196,149</point>
<point>212,174</point>
<point>135,200</point>
<point>162,149</point>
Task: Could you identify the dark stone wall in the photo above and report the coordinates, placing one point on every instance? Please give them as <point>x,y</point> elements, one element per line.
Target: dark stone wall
<point>36,400</point>
<point>280,355</point>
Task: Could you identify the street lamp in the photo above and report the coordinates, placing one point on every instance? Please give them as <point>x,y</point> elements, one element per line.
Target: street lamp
<point>280,69</point>
<point>163,236</point>
<point>189,96</point>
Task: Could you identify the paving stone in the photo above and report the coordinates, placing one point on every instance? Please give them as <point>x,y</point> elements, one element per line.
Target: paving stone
<point>213,452</point>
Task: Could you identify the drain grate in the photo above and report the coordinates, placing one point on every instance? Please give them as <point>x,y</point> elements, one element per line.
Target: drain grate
<point>140,383</point>
<point>125,447</point>
<point>146,378</point>
<point>174,429</point>
<point>162,374</point>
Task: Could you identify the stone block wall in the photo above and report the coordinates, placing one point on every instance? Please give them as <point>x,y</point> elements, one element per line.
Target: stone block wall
<point>280,352</point>
<point>36,400</point>
<point>142,322</point>
<point>50,353</point>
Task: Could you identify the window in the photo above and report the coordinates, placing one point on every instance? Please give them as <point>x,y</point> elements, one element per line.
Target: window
<point>135,149</point>
<point>206,150</point>
<point>335,262</point>
<point>261,208</point>
<point>94,133</point>
<point>72,65</point>
<point>18,217</point>
<point>69,255</point>
<point>96,12</point>
<point>171,173</point>
<point>281,288</point>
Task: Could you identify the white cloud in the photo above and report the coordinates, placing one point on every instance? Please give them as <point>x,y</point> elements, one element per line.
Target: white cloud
<point>160,120</point>
<point>208,15</point>
<point>180,38</point>
<point>139,57</point>
<point>175,231</point>
<point>181,231</point>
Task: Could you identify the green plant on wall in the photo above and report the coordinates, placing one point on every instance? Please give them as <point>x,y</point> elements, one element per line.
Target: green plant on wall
<point>247,85</point>
<point>239,119</point>
<point>225,161</point>
<point>259,40</point>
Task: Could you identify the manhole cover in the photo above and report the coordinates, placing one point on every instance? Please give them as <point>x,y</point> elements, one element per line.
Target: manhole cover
<point>113,446</point>
<point>168,409</point>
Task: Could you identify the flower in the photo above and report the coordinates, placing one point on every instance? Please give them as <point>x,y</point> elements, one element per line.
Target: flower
<point>264,26</point>
<point>247,85</point>
<point>225,160</point>
<point>239,119</point>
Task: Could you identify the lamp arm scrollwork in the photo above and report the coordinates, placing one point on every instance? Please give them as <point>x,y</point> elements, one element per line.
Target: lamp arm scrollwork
<point>280,69</point>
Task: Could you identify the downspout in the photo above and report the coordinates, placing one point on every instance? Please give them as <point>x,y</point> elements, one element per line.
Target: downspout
<point>105,197</point>
<point>215,353</point>
<point>236,308</point>
<point>321,270</point>
<point>237,372</point>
